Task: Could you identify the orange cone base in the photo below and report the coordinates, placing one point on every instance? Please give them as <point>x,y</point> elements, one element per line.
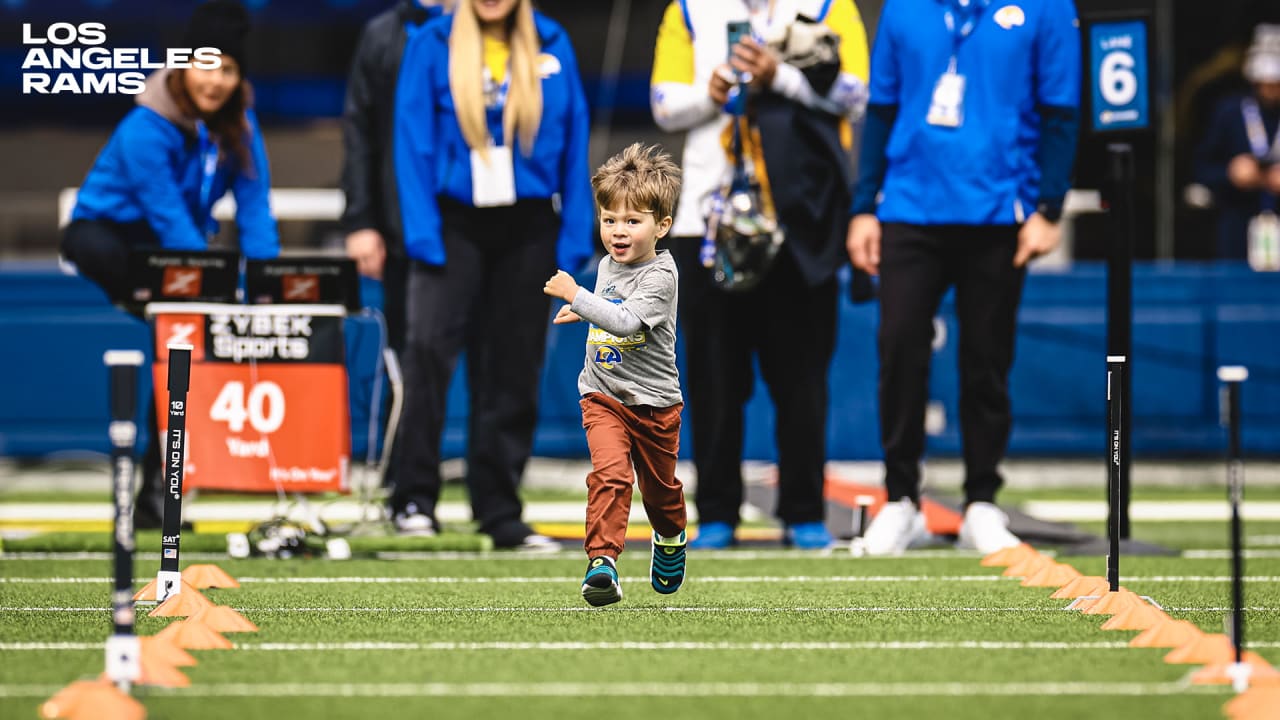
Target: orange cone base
<point>162,651</point>
<point>1258,702</point>
<point>1136,617</point>
<point>1170,634</point>
<point>66,699</point>
<point>159,674</point>
<point>1112,603</point>
<point>186,603</point>
<point>1028,566</point>
<point>1007,556</point>
<point>1217,673</point>
<point>106,702</point>
<point>1204,650</point>
<point>208,576</point>
<point>194,636</point>
<point>148,592</point>
<point>1082,586</point>
<point>224,619</point>
<point>1054,575</point>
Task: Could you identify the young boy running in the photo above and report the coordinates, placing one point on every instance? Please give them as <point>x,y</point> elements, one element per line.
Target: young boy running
<point>629,384</point>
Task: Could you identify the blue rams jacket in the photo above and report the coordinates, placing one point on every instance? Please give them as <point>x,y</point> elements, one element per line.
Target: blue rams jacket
<point>433,159</point>
<point>1022,70</point>
<point>152,169</point>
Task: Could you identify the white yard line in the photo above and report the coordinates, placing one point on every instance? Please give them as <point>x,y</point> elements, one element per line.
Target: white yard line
<point>752,646</point>
<point>460,610</point>
<point>1151,510</point>
<point>667,689</point>
<point>730,579</point>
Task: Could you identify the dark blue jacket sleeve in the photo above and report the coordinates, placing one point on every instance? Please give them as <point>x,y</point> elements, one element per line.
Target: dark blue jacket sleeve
<point>872,161</point>
<point>415,152</point>
<point>251,187</point>
<point>1059,127</point>
<point>148,157</point>
<point>577,210</point>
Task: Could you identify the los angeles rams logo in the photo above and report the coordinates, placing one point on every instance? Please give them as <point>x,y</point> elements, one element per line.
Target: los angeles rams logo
<point>607,356</point>
<point>1010,16</point>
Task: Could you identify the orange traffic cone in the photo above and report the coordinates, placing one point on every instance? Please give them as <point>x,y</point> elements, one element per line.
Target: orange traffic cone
<point>1260,702</point>
<point>186,603</point>
<point>1136,617</point>
<point>92,699</point>
<point>1007,556</point>
<point>1169,634</point>
<point>161,650</point>
<point>224,619</point>
<point>1053,575</point>
<point>194,636</point>
<point>208,576</point>
<point>1028,565</point>
<point>1081,587</point>
<point>1203,650</point>
<point>1220,673</point>
<point>1110,603</point>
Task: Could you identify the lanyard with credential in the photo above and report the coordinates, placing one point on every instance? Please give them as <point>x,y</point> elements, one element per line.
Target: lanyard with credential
<point>208,166</point>
<point>1257,132</point>
<point>970,12</point>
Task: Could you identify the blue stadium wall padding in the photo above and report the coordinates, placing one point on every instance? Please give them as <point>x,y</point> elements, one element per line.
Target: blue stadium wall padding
<point>1188,319</point>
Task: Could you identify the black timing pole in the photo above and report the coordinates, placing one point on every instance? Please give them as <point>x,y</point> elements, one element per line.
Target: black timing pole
<point>1232,377</point>
<point>1116,463</point>
<point>169,579</point>
<point>1120,306</point>
<point>123,661</point>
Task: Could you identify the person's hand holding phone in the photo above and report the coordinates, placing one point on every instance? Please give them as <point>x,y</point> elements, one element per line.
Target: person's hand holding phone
<point>754,61</point>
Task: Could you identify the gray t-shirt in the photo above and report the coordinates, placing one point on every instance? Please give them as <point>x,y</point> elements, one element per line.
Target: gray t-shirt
<point>631,346</point>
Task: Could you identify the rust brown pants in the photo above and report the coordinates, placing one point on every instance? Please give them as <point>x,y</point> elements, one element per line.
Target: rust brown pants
<point>620,437</point>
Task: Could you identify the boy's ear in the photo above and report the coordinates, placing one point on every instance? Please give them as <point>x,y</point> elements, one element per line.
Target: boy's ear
<point>664,225</point>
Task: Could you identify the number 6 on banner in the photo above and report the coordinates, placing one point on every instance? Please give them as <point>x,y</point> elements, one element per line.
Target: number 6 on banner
<point>264,410</point>
<point>1118,84</point>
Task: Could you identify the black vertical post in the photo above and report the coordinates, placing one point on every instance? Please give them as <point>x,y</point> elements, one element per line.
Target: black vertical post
<point>122,650</point>
<point>1232,377</point>
<point>169,579</point>
<point>1116,465</point>
<point>1120,305</point>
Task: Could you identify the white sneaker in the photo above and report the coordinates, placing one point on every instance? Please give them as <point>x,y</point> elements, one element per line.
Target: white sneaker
<point>985,529</point>
<point>413,523</point>
<point>536,543</point>
<point>894,528</point>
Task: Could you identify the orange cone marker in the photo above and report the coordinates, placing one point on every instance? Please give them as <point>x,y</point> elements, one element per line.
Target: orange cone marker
<point>1053,575</point>
<point>224,619</point>
<point>208,576</point>
<point>1220,673</point>
<point>1204,650</point>
<point>1028,565</point>
<point>1007,556</point>
<point>194,636</point>
<point>184,604</point>
<point>1170,634</point>
<point>164,651</point>
<point>1136,617</point>
<point>1111,603</point>
<point>1082,586</point>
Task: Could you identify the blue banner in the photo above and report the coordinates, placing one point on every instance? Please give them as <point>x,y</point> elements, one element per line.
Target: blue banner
<point>1118,65</point>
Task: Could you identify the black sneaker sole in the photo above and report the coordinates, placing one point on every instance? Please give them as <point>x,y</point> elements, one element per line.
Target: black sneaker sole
<point>601,596</point>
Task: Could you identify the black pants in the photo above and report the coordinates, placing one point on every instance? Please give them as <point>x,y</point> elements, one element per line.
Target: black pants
<point>917,265</point>
<point>790,327</point>
<point>487,299</point>
<point>100,251</point>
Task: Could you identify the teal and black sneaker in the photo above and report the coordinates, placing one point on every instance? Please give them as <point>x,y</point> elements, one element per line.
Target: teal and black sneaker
<point>600,587</point>
<point>666,569</point>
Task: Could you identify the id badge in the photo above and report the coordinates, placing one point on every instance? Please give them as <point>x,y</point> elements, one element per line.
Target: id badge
<point>493,180</point>
<point>947,108</point>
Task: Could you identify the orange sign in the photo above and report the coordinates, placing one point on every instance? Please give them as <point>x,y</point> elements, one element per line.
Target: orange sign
<point>182,281</point>
<point>267,406</point>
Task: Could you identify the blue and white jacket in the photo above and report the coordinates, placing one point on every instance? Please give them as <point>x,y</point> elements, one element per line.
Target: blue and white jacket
<point>153,168</point>
<point>432,158</point>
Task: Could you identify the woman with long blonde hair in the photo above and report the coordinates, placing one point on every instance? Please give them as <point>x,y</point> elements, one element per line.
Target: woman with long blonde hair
<point>490,134</point>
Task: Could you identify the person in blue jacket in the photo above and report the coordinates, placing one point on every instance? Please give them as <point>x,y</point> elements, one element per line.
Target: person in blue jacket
<point>191,138</point>
<point>965,161</point>
<point>491,166</point>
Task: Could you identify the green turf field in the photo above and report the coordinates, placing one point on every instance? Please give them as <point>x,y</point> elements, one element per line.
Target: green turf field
<point>754,633</point>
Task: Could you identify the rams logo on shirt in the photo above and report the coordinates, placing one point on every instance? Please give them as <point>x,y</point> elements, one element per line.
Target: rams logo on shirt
<point>1010,16</point>
<point>548,65</point>
<point>607,356</point>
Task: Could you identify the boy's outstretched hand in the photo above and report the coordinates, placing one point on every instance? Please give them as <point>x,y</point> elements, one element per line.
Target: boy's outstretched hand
<point>561,285</point>
<point>565,316</point>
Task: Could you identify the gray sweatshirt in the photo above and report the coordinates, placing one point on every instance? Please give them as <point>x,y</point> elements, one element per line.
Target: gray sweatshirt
<point>631,346</point>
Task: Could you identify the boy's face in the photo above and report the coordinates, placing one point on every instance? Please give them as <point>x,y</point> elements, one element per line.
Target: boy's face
<point>630,235</point>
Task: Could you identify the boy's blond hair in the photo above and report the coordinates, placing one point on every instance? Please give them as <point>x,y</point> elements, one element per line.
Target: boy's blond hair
<point>640,178</point>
